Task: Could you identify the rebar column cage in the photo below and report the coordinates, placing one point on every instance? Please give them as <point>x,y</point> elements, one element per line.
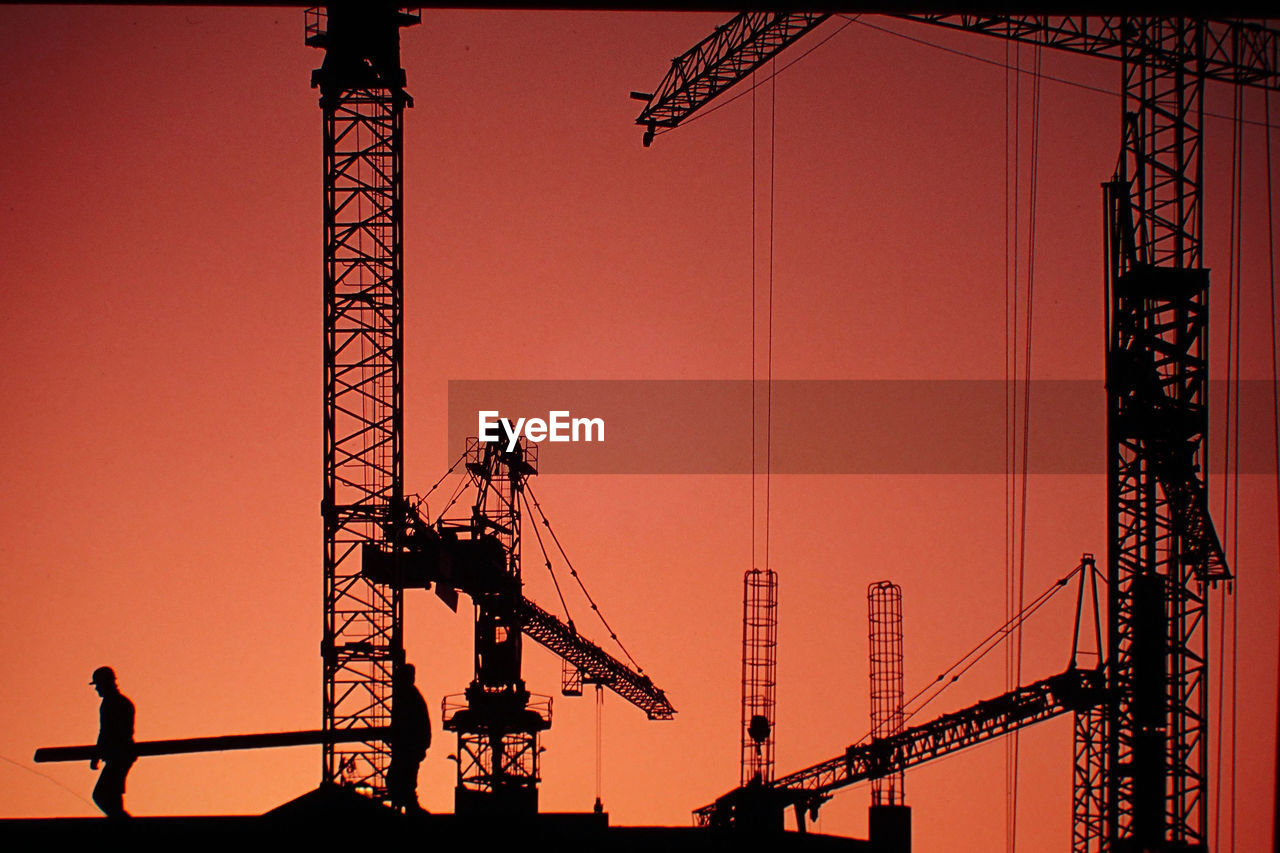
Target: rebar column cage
<point>362,100</point>
<point>759,674</point>
<point>884,618</point>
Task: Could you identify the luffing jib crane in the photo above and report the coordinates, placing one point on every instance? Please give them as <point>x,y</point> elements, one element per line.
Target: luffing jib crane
<point>497,719</point>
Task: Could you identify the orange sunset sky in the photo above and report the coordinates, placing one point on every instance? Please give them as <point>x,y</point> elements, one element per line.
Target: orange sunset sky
<point>160,364</point>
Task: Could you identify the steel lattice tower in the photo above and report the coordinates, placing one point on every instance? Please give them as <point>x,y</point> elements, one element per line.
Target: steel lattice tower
<point>759,673</point>
<point>1150,746</point>
<point>362,98</point>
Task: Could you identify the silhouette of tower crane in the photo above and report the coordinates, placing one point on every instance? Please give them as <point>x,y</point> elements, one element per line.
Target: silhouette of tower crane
<point>362,98</point>
<point>1142,753</point>
<point>375,542</point>
<point>497,719</point>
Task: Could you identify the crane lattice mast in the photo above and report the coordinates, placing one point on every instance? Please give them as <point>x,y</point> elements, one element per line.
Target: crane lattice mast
<point>362,98</point>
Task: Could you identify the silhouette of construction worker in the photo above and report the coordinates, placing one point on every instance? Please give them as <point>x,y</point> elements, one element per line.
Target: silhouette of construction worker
<point>115,743</point>
<point>410,737</point>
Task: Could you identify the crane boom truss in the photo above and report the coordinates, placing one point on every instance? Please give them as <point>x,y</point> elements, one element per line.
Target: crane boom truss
<point>1234,52</point>
<point>1228,51</point>
<point>723,58</point>
<point>596,665</point>
<point>1073,690</point>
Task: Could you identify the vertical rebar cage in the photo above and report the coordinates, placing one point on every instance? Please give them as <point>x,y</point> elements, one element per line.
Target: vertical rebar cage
<point>759,673</point>
<point>884,615</point>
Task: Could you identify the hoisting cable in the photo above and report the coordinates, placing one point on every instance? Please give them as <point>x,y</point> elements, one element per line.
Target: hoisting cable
<point>1233,585</point>
<point>574,574</point>
<point>452,468</point>
<point>1037,60</point>
<point>753,325</point>
<point>768,424</point>
<point>998,633</point>
<point>546,559</point>
<point>453,499</point>
<point>1275,417</point>
<point>984,647</point>
<point>1012,125</point>
<point>1231,411</point>
<point>599,805</point>
<point>773,73</point>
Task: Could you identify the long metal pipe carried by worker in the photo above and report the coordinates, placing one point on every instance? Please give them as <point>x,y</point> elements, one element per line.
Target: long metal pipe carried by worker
<point>220,743</point>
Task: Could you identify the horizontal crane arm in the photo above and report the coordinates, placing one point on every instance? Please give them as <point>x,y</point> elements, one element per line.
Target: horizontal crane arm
<point>723,58</point>
<point>597,665</point>
<point>474,567</point>
<point>220,743</point>
<point>1233,52</point>
<point>1073,690</point>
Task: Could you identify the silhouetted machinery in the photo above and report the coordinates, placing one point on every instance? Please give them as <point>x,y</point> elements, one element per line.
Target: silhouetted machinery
<point>375,545</point>
<point>497,719</point>
<point>1141,774</point>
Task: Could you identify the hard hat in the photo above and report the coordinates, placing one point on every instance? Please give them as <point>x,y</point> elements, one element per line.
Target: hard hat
<point>104,675</point>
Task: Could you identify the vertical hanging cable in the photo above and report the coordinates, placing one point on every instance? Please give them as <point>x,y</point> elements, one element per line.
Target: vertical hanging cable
<point>1233,587</point>
<point>1275,428</point>
<point>1032,191</point>
<point>1027,392</point>
<point>768,434</point>
<point>599,805</point>
<point>1011,151</point>
<point>1231,415</point>
<point>753,322</point>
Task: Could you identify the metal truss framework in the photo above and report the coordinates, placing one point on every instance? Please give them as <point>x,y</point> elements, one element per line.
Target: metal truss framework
<point>497,720</point>
<point>714,64</point>
<point>884,617</point>
<point>759,674</point>
<point>1229,51</point>
<point>1162,560</point>
<point>1089,782</point>
<point>362,99</point>
<point>1073,690</point>
<point>592,664</point>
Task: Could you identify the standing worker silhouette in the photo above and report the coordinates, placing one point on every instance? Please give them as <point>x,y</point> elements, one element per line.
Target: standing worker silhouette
<point>115,743</point>
<point>410,737</point>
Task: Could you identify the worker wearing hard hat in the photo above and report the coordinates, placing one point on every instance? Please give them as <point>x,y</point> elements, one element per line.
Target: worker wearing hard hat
<point>410,737</point>
<point>115,743</point>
